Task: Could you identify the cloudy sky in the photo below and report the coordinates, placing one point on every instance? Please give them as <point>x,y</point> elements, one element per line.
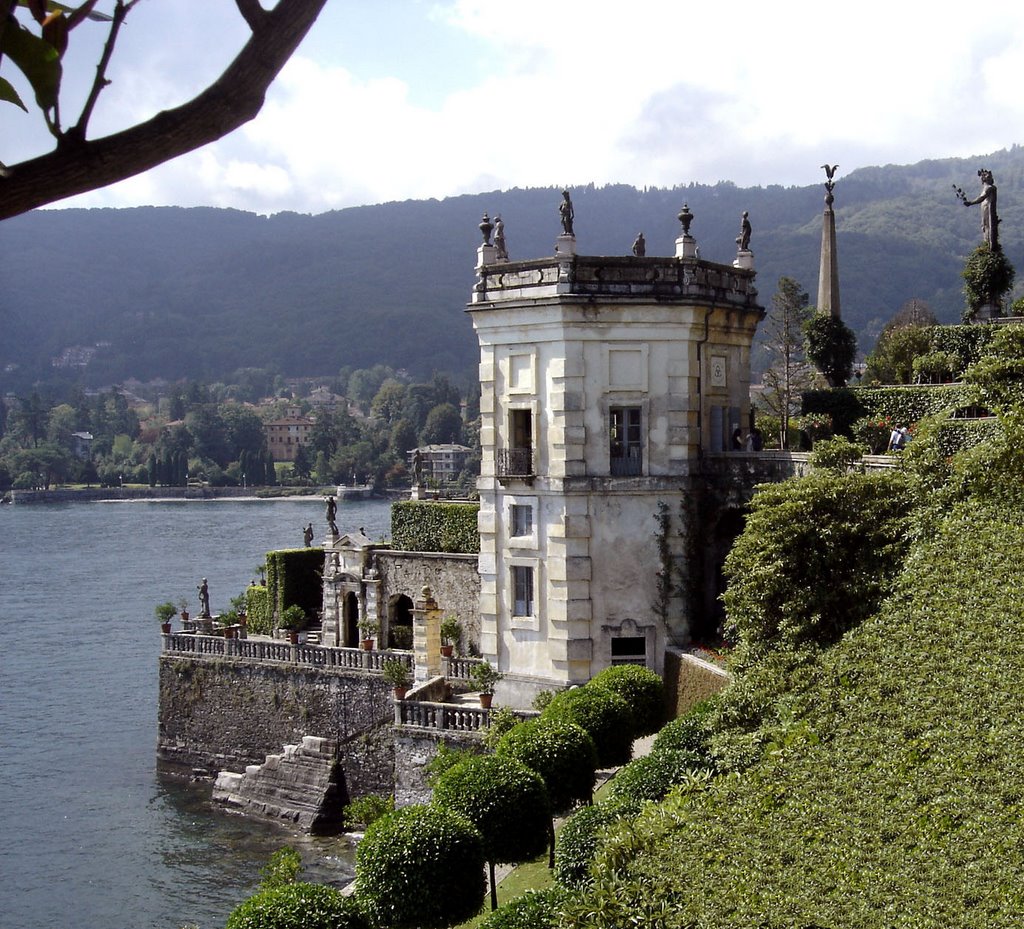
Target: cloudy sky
<point>399,99</point>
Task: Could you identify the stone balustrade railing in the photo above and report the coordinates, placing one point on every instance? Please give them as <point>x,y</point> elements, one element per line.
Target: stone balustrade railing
<point>458,668</point>
<point>451,716</point>
<point>318,656</point>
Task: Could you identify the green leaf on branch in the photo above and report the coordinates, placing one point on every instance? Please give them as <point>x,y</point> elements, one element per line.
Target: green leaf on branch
<point>36,59</point>
<point>10,95</point>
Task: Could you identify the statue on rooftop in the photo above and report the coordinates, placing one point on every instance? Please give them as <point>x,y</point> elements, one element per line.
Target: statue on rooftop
<point>640,246</point>
<point>987,199</point>
<point>743,239</point>
<point>307,535</point>
<point>499,237</point>
<point>566,212</point>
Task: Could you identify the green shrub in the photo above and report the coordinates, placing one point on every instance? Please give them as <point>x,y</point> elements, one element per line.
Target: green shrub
<point>836,454</point>
<point>809,542</point>
<point>873,432</point>
<point>444,759</point>
<point>284,866</point>
<point>366,810</point>
<point>605,716</point>
<point>421,867</point>
<point>535,909</point>
<point>297,906</point>
<point>504,799</point>
<point>831,347</point>
<point>935,367</point>
<point>561,752</point>
<point>581,836</point>
<point>500,722</point>
<point>418,526</point>
<point>842,406</point>
<point>652,776</point>
<point>641,688</point>
<point>257,609</point>
<point>689,733</point>
<point>988,276</point>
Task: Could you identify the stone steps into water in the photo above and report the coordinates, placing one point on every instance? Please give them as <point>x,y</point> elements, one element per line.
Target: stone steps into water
<point>303,785</point>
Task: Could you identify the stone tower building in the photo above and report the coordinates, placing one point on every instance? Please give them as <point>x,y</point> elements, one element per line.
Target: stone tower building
<point>605,383</point>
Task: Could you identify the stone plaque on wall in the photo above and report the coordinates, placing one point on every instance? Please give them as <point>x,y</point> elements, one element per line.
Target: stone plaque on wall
<point>718,371</point>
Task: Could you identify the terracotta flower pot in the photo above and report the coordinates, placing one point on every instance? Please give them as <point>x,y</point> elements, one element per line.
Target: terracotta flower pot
<point>485,700</point>
<point>446,650</point>
<point>165,628</point>
<point>367,645</point>
<point>400,692</point>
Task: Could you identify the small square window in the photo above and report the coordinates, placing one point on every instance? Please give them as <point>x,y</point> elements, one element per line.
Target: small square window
<point>522,519</point>
<point>522,591</point>
<point>629,650</point>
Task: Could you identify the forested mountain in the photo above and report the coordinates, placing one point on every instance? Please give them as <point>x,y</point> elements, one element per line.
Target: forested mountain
<point>199,293</point>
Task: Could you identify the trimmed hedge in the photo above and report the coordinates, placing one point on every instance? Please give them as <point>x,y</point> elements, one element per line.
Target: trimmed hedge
<point>422,867</point>
<point>535,909</point>
<point>641,688</point>
<point>561,752</point>
<point>294,576</point>
<point>653,776</point>
<point>606,716</point>
<point>418,526</point>
<point>257,609</point>
<point>581,836</point>
<point>297,906</point>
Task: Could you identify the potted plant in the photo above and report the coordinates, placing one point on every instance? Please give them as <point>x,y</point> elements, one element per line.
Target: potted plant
<point>396,673</point>
<point>183,610</point>
<point>483,677</point>
<point>293,619</point>
<point>450,632</point>
<point>367,629</point>
<point>164,612</point>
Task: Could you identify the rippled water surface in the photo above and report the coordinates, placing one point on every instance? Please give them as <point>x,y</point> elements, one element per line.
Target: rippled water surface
<point>90,835</point>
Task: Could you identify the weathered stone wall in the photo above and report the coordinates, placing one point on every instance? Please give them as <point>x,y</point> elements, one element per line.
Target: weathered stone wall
<point>453,581</point>
<point>414,750</point>
<point>688,680</point>
<point>225,714</point>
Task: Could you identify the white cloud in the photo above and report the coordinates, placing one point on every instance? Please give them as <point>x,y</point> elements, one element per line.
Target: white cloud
<point>655,93</point>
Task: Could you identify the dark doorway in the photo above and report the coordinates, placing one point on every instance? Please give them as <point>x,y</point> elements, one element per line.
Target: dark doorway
<point>351,621</point>
<point>708,623</point>
<point>400,622</point>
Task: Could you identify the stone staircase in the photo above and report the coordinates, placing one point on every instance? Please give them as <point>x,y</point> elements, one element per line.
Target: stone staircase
<point>303,786</point>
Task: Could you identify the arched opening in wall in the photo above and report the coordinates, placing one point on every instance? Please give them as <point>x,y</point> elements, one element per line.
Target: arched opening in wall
<point>707,629</point>
<point>350,620</point>
<point>400,621</point>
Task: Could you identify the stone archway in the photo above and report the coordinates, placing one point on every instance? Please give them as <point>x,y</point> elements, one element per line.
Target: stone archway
<point>350,620</point>
<point>400,609</point>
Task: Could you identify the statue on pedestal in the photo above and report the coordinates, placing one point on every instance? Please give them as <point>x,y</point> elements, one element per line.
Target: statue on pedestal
<point>332,512</point>
<point>566,213</point>
<point>987,199</point>
<point>499,237</point>
<point>307,535</point>
<point>640,246</point>
<point>204,600</point>
<point>743,239</point>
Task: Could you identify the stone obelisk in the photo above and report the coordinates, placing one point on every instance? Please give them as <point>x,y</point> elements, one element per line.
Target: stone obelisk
<point>828,272</point>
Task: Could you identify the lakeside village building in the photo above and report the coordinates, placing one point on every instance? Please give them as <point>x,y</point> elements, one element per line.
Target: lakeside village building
<point>609,387</point>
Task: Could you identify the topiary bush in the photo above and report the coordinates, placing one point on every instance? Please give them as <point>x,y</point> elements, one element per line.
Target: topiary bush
<point>505,800</point>
<point>535,909</point>
<point>257,609</point>
<point>297,906</point>
<point>561,752</point>
<point>641,688</point>
<point>605,715</point>
<point>294,577</point>
<point>988,276</point>
<point>831,346</point>
<point>421,867</point>
<point>836,454</point>
<point>580,838</point>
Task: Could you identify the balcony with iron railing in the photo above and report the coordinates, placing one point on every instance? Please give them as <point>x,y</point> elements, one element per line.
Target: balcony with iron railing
<point>516,463</point>
<point>631,465</point>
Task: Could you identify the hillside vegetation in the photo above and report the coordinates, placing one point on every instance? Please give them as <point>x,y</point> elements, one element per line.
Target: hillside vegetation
<point>870,773</point>
<point>199,293</point>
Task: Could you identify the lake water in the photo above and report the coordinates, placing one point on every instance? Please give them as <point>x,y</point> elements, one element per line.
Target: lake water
<point>90,835</point>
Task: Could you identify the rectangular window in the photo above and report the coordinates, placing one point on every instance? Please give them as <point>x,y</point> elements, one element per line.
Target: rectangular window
<point>517,459</point>
<point>522,591</point>
<point>522,519</point>
<point>625,441</point>
<point>629,650</point>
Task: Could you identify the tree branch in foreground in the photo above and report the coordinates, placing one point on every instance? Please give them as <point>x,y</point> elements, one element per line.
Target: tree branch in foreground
<point>77,166</point>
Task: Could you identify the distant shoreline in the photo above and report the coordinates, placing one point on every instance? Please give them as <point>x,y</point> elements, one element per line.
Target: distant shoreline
<point>152,494</point>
